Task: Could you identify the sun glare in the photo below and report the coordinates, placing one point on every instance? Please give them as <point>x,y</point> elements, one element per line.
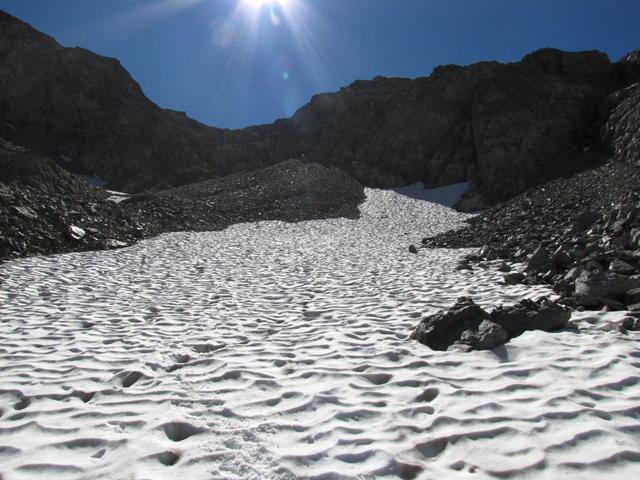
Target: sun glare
<point>264,3</point>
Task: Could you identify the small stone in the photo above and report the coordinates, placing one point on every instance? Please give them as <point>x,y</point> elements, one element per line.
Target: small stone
<point>613,327</point>
<point>539,260</point>
<point>113,243</point>
<point>76,233</point>
<point>504,267</point>
<point>631,323</point>
<point>621,267</point>
<point>488,253</point>
<point>561,259</point>
<point>513,278</point>
<point>413,248</point>
<point>26,212</point>
<point>634,308</point>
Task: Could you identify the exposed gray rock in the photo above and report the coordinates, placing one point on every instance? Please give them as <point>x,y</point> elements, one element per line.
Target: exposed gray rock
<point>514,278</point>
<point>529,315</point>
<point>443,329</point>
<point>58,212</point>
<point>487,335</point>
<point>632,296</point>
<point>466,326</point>
<point>539,260</point>
<point>621,267</point>
<point>621,132</point>
<point>585,220</point>
<point>601,284</point>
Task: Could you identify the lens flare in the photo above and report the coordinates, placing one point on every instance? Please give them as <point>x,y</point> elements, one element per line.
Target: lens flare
<point>223,32</point>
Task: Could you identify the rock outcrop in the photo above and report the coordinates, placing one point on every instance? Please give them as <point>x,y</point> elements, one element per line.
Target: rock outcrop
<point>579,235</point>
<point>467,326</point>
<point>502,127</point>
<point>44,209</point>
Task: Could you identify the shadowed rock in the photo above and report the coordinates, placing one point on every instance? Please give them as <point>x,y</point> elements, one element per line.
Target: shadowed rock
<point>529,315</point>
<point>467,326</point>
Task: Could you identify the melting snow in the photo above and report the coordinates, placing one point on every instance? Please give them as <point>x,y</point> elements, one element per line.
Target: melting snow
<point>280,351</point>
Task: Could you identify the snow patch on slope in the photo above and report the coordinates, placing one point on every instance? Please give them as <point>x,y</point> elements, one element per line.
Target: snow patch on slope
<point>281,351</point>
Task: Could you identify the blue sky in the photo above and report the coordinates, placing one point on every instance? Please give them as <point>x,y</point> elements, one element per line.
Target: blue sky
<point>230,63</point>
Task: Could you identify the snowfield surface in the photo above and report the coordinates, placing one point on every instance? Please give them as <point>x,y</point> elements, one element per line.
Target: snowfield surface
<point>281,351</point>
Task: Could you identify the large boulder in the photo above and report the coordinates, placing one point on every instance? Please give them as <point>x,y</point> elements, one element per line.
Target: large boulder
<point>529,315</point>
<point>443,329</point>
<point>467,326</point>
<point>603,284</point>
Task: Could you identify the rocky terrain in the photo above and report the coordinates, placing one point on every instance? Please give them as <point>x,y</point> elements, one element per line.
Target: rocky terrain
<point>581,235</point>
<point>289,191</point>
<point>502,127</point>
<point>45,210</point>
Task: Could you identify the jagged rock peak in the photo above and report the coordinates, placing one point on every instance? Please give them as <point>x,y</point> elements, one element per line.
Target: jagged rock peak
<point>631,57</point>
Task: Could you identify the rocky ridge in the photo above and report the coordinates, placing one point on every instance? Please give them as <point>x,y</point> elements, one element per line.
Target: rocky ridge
<point>579,234</point>
<point>46,210</point>
<point>502,127</point>
<point>289,191</point>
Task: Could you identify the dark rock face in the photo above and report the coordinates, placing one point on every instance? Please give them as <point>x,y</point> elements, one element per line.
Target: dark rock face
<point>86,112</point>
<point>468,327</point>
<point>621,132</point>
<point>504,128</point>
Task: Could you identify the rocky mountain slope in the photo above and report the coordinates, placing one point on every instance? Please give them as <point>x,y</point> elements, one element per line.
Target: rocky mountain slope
<point>580,234</point>
<point>44,209</point>
<point>289,191</point>
<point>502,127</point>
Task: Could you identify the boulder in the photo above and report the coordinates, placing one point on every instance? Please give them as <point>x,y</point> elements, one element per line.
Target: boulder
<point>467,326</point>
<point>584,220</point>
<point>441,330</point>
<point>561,259</point>
<point>485,336</point>
<point>602,284</point>
<point>529,315</point>
<point>513,278</point>
<point>621,267</point>
<point>632,296</point>
<point>539,260</point>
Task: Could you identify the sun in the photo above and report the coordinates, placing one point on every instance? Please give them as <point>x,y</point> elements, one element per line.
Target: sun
<point>257,4</point>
